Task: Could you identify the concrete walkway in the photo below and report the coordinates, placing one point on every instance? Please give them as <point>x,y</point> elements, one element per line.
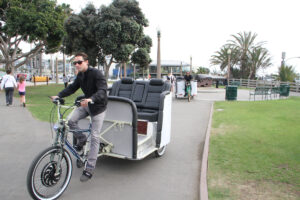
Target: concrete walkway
<point>173,176</point>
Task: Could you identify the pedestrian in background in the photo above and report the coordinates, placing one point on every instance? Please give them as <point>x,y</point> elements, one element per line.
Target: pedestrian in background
<point>171,78</point>
<point>8,83</point>
<point>21,87</point>
<point>65,80</point>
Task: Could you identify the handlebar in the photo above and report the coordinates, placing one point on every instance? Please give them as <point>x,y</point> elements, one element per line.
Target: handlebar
<point>61,101</point>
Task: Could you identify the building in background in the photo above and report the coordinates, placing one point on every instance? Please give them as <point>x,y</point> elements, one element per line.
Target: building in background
<point>175,67</point>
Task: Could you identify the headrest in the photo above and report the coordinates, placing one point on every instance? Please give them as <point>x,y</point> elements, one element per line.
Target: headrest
<point>156,81</point>
<point>127,80</point>
<point>179,78</point>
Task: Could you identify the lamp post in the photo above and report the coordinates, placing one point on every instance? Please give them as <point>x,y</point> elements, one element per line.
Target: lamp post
<point>158,54</point>
<point>228,68</point>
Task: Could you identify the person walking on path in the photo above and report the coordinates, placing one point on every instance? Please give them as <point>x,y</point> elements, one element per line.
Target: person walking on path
<point>65,80</point>
<point>171,79</point>
<point>93,84</point>
<point>21,87</point>
<point>8,83</point>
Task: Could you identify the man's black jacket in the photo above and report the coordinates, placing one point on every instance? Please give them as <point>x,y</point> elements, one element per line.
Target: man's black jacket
<point>94,86</point>
<point>188,77</point>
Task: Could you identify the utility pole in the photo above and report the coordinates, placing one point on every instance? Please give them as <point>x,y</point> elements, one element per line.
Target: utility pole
<point>181,69</point>
<point>283,59</point>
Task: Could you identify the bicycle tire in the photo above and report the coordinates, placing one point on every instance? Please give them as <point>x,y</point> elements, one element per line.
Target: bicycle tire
<point>33,167</point>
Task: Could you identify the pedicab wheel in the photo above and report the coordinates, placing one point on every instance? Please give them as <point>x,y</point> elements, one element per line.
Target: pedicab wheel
<point>42,180</point>
<point>161,151</point>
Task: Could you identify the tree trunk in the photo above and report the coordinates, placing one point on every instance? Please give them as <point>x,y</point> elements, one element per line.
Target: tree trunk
<point>251,71</point>
<point>121,69</point>
<point>125,70</point>
<point>143,73</point>
<point>56,68</point>
<point>107,66</point>
<point>134,71</point>
<point>64,64</point>
<point>41,63</point>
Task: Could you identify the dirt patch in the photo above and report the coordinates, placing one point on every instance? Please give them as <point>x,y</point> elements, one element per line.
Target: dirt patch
<point>252,190</point>
<point>223,129</point>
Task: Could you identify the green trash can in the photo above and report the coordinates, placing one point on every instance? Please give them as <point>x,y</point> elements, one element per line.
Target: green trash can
<point>231,92</point>
<point>284,90</point>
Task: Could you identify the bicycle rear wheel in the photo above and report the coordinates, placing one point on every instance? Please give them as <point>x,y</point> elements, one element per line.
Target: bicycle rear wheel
<point>42,182</point>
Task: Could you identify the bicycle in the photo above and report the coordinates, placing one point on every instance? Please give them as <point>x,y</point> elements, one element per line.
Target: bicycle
<point>53,166</point>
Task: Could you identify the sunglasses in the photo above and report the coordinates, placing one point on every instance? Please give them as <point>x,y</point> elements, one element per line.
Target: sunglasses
<point>79,62</point>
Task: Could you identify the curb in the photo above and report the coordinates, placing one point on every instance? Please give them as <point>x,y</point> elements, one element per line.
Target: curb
<point>204,163</point>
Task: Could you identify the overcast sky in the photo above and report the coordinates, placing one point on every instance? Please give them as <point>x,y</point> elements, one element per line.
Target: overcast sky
<point>198,28</point>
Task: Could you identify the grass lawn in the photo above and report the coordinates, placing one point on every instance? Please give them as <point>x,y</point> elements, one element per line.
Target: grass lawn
<point>38,102</point>
<point>255,150</point>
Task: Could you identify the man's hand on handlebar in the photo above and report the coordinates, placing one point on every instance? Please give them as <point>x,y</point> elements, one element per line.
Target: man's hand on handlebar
<point>85,102</point>
<point>54,97</point>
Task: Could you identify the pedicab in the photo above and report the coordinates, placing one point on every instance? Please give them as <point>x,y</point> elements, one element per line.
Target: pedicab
<point>185,90</point>
<point>137,124</point>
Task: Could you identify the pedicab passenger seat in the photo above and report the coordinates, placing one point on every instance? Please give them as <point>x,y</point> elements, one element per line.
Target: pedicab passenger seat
<point>149,109</point>
<point>147,95</point>
<point>122,88</point>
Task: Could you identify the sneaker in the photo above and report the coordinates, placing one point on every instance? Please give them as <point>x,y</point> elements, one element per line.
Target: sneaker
<point>87,174</point>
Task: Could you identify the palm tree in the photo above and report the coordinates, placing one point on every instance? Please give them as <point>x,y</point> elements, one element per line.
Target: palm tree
<point>244,43</point>
<point>246,55</point>
<point>259,58</point>
<point>221,57</point>
<point>287,73</point>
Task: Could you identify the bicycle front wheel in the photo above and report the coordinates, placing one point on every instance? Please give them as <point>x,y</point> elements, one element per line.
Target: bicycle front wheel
<point>45,181</point>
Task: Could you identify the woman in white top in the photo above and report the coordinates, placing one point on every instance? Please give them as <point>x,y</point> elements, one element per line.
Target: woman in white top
<point>8,83</point>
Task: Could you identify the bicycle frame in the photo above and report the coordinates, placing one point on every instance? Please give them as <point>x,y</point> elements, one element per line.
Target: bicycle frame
<point>188,88</point>
<point>62,133</point>
<point>63,129</point>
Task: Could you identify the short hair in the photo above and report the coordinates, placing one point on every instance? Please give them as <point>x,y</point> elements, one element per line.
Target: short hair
<point>8,71</point>
<point>83,55</point>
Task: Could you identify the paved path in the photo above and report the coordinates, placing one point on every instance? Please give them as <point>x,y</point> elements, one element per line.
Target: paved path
<point>173,176</point>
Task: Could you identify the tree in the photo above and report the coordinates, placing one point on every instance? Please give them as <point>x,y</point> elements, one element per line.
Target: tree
<point>286,73</point>
<point>259,58</point>
<point>221,58</point>
<point>244,43</point>
<point>37,22</point>
<point>202,70</point>
<point>142,58</point>
<point>108,35</point>
<point>246,55</point>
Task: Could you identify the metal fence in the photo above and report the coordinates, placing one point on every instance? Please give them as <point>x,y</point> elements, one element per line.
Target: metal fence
<point>294,87</point>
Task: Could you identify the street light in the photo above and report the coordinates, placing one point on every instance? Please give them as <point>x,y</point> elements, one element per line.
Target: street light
<point>158,54</point>
<point>228,68</point>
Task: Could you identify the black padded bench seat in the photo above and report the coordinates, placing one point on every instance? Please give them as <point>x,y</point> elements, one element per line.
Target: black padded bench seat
<point>147,95</point>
